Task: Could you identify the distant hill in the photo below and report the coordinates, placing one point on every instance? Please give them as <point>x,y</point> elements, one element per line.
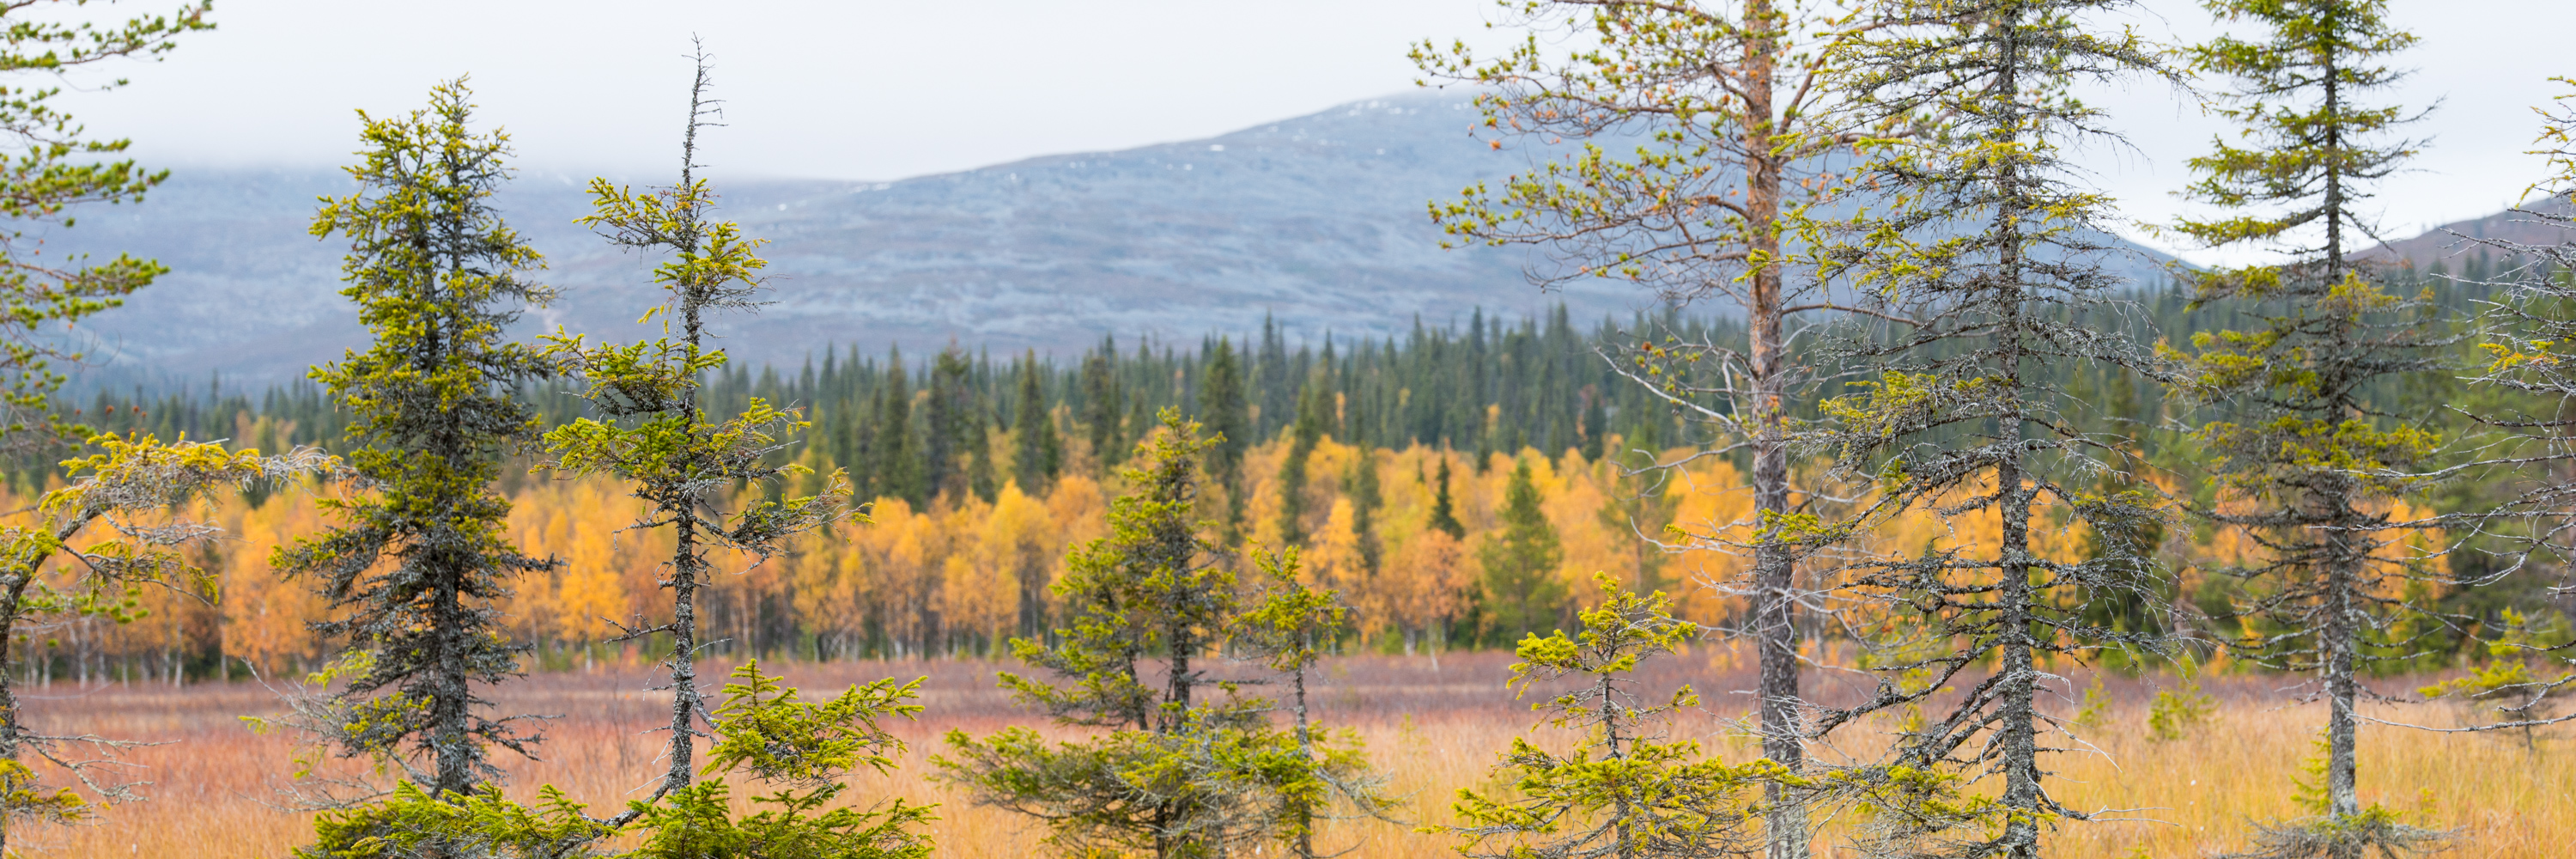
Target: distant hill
<point>1319,220</point>
<point>2451,246</point>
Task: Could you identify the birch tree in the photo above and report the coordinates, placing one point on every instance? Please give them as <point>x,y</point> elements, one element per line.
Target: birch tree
<point>124,521</point>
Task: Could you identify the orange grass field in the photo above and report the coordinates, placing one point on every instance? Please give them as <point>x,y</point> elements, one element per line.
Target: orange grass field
<point>1433,725</point>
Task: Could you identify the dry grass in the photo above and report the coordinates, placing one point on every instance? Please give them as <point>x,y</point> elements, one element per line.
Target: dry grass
<point>1433,728</point>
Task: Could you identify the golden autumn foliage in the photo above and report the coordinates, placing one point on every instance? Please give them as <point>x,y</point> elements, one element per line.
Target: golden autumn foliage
<point>962,576</point>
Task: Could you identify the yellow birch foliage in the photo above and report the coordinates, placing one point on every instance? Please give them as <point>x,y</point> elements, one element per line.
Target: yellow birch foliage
<point>264,616</point>
<point>949,577</point>
<point>1333,560</point>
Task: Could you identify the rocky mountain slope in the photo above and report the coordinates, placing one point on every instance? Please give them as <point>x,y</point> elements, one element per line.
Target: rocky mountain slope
<point>1319,220</point>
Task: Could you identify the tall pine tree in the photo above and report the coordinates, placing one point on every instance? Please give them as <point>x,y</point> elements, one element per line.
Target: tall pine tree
<point>1703,142</point>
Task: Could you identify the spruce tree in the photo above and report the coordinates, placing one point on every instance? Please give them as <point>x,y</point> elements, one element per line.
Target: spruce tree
<point>1277,381</point>
<point>1523,593</point>
<point>950,414</point>
<point>1225,413</point>
<point>1628,789</point>
<point>417,565</point>
<point>1101,400</point>
<point>1176,774</point>
<point>1444,511</point>
<point>897,463</point>
<point>980,477</point>
<point>654,429</point>
<point>1288,628</point>
<point>764,732</point>
<point>1469,418</point>
<point>1305,433</point>
<point>1984,256</point>
<point>1366,501</point>
<point>1595,425</point>
<point>1036,451</point>
<point>2304,460</point>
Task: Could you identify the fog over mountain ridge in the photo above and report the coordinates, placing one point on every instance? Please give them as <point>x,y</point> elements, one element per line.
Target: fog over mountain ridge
<point>1319,220</point>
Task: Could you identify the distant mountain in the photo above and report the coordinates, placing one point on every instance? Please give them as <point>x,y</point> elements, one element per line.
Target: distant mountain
<point>1319,220</point>
<point>2448,244</point>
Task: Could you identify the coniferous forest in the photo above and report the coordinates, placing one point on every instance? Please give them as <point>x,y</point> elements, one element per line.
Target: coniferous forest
<point>1906,527</point>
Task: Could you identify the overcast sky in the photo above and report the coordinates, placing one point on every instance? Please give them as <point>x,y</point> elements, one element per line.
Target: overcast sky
<point>873,89</point>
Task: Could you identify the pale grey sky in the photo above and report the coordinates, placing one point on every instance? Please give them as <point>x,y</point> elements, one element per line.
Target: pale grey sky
<point>875,89</point>
<point>2487,62</point>
<point>857,89</point>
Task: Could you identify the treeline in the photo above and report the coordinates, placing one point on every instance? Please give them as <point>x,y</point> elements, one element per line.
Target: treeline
<point>901,425</point>
<point>981,468</point>
<point>984,472</point>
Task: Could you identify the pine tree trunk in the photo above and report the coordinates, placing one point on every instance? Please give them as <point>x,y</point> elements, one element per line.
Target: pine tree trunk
<point>686,700</point>
<point>1304,815</point>
<point>2018,718</point>
<point>1774,564</point>
<point>11,589</point>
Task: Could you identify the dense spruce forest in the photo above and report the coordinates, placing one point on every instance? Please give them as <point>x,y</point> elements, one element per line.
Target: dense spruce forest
<point>1483,385</point>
